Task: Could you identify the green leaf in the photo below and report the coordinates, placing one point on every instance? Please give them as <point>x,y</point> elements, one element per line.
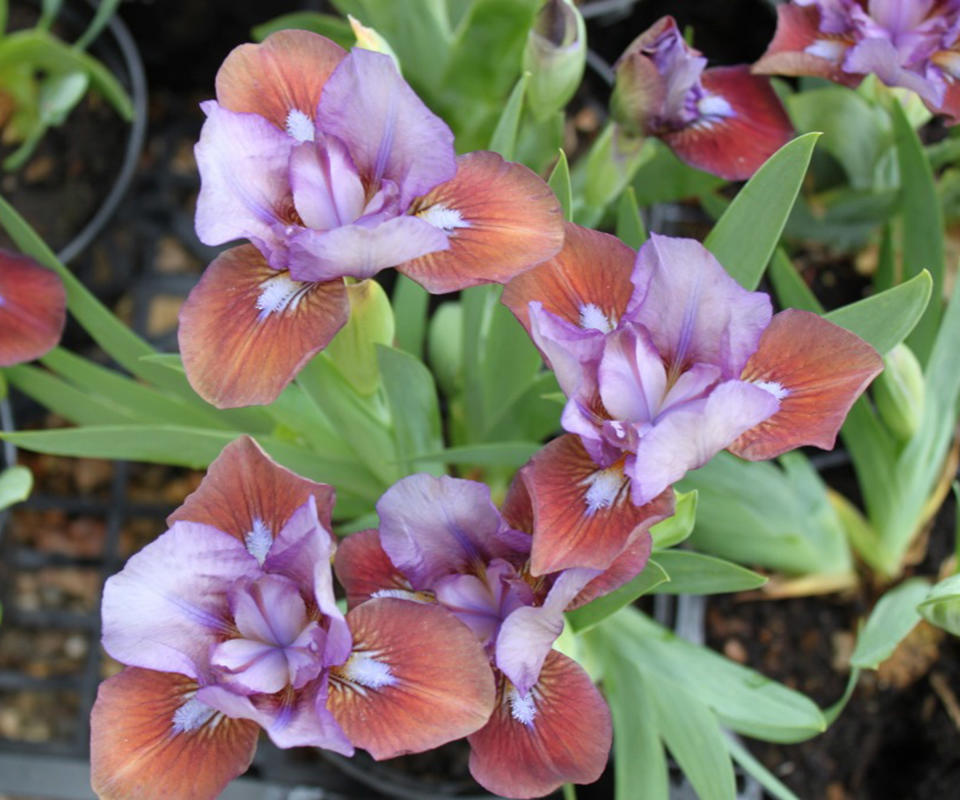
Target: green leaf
<point>105,11</point>
<point>757,513</point>
<point>744,238</point>
<point>412,397</point>
<point>504,139</point>
<point>855,132</point>
<point>664,178</point>
<point>640,767</point>
<point>922,227</point>
<point>184,447</point>
<point>560,183</point>
<point>630,227</point>
<point>695,573</point>
<point>942,605</point>
<point>445,347</point>
<point>16,484</point>
<point>410,302</point>
<point>690,731</point>
<point>893,617</point>
<point>677,528</point>
<point>791,290</point>
<point>335,28</point>
<point>40,48</point>
<point>885,319</point>
<point>495,454</point>
<point>585,617</point>
<point>743,699</point>
<point>49,10</point>
<point>752,766</point>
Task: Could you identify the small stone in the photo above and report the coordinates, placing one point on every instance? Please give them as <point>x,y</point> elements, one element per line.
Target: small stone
<point>39,169</point>
<point>735,651</point>
<point>163,313</point>
<point>172,258</point>
<point>75,646</point>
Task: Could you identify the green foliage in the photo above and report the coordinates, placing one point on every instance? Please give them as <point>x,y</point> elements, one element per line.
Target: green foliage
<point>16,483</point>
<point>893,617</point>
<point>744,238</point>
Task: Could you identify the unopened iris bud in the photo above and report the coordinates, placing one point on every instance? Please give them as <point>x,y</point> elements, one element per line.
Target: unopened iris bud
<point>369,39</point>
<point>555,57</point>
<point>899,392</point>
<point>353,349</point>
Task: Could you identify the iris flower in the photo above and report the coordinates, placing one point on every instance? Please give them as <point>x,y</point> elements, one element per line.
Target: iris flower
<point>665,360</point>
<point>722,120</point>
<point>33,309</point>
<point>914,44</point>
<point>331,167</point>
<point>227,624</point>
<point>443,542</point>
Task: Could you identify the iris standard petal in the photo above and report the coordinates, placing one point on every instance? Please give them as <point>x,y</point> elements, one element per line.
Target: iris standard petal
<point>387,129</point>
<point>169,605</point>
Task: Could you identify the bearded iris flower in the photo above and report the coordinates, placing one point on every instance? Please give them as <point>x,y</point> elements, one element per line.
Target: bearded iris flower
<point>665,360</point>
<point>33,309</point>
<point>443,542</point>
<point>914,44</point>
<point>227,624</point>
<point>330,166</point>
<point>722,120</point>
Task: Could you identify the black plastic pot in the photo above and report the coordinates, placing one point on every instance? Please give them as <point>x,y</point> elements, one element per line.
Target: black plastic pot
<point>116,48</point>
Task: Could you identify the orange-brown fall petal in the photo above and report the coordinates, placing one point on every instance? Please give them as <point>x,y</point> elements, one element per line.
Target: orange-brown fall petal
<point>136,753</point>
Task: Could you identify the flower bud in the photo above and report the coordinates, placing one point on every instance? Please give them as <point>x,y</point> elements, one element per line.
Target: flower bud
<point>555,57</point>
<point>899,392</point>
<point>369,39</point>
<point>353,349</point>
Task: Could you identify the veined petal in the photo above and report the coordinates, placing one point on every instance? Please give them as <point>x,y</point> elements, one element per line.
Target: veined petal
<point>625,567</point>
<point>246,330</point>
<point>365,571</point>
<point>244,186</point>
<point>733,144</point>
<point>694,311</point>
<point>560,732</point>
<point>290,718</point>
<point>431,527</point>
<point>570,351</point>
<point>361,251</point>
<point>632,377</point>
<point>286,72</point>
<point>250,496</point>
<point>796,44</point>
<point>817,370</point>
<point>690,435</point>
<point>417,678</point>
<point>587,283</point>
<point>388,130</point>
<point>517,508</point>
<point>501,219</point>
<point>151,739</point>
<point>168,606</point>
<point>528,633</point>
<point>583,515</point>
<point>33,309</point>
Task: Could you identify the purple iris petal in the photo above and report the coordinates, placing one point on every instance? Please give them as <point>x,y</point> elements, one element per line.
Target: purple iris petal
<point>527,635</point>
<point>269,610</point>
<point>253,666</point>
<point>361,250</point>
<point>570,349</point>
<point>432,527</point>
<point>300,720</point>
<point>302,551</point>
<point>388,130</point>
<point>631,375</point>
<point>690,435</point>
<point>880,57</point>
<point>327,191</point>
<point>169,605</point>
<point>693,310</point>
<point>243,161</point>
